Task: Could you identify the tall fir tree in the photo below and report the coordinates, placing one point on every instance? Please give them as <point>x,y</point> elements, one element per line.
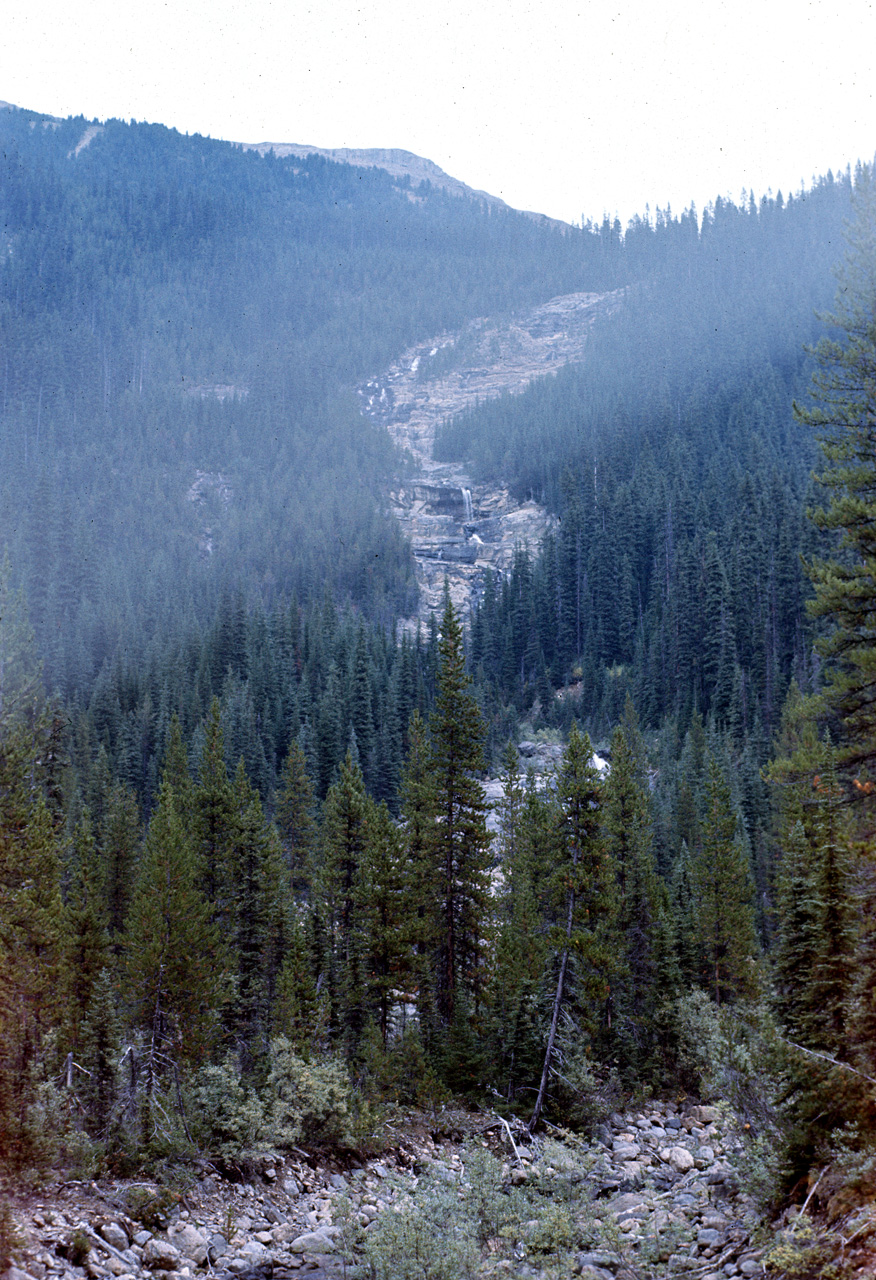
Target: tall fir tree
<point>723,897</point>
<point>844,417</point>
<point>294,817</point>
<point>460,840</point>
<point>178,968</point>
<point>583,897</point>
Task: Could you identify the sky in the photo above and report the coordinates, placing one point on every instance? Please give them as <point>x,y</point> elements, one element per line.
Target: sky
<point>571,109</point>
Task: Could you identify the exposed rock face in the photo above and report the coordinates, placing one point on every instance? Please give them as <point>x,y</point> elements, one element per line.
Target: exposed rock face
<point>398,163</point>
<point>458,529</point>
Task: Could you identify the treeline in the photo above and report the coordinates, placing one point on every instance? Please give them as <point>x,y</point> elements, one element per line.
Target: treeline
<point>680,479</point>
<point>174,308</point>
<point>226,973</point>
<point>320,677</point>
<point>201,946</point>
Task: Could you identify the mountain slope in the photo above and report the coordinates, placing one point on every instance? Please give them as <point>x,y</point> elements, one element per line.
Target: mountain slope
<point>173,307</point>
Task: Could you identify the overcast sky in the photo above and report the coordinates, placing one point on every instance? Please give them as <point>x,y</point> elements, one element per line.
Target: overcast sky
<point>568,108</point>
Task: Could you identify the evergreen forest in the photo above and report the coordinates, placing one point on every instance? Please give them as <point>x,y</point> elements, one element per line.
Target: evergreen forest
<point>252,893</point>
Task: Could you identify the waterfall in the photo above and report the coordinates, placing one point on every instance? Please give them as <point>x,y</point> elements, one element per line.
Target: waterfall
<point>466,502</point>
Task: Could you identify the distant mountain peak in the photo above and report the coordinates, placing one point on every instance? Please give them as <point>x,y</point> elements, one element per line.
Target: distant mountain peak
<point>398,163</point>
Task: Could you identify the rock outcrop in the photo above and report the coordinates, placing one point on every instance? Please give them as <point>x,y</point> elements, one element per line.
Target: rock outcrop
<point>460,530</point>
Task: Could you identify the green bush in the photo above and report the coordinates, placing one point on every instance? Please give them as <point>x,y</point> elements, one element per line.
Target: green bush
<point>46,1134</point>
<point>306,1101</point>
<point>725,1052</point>
<point>401,1072</point>
<point>150,1206</point>
<point>10,1240</point>
<point>426,1237</point>
<point>227,1117</point>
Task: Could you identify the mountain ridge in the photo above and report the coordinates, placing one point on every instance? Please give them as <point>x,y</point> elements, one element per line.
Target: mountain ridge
<point>399,164</point>
<point>396,161</point>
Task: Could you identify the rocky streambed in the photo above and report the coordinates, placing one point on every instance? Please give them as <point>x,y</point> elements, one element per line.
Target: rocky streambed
<point>460,530</point>
<point>656,1193</point>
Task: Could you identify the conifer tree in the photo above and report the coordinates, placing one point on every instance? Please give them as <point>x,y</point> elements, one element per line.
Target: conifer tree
<point>460,841</point>
<point>722,894</point>
<point>296,1012</point>
<point>177,965</point>
<point>527,826</point>
<point>844,417</point>
<point>814,961</point>
<point>584,900</point>
<point>119,843</point>
<point>87,936</point>
<point>260,914</point>
<point>418,804</point>
<point>294,817</point>
<point>213,814</point>
<point>383,923</point>
<point>341,849</point>
<point>643,984</point>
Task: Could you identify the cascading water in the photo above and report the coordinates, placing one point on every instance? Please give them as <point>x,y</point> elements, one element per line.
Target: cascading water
<point>466,502</point>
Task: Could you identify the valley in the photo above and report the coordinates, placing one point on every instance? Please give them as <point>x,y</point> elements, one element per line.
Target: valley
<point>461,531</point>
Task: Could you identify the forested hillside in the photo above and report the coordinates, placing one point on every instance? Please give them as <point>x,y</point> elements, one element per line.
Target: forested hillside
<point>183,326</point>
<point>680,475</point>
<point>251,893</point>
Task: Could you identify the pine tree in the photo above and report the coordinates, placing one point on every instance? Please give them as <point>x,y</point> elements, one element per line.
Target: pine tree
<point>722,894</point>
<point>296,1012</point>
<point>418,806</point>
<point>460,842</point>
<point>294,817</point>
<point>119,843</point>
<point>88,936</point>
<point>844,417</point>
<point>383,923</point>
<point>177,962</point>
<point>642,924</point>
<point>334,879</point>
<point>814,960</point>
<point>527,826</point>
<point>213,814</point>
<point>260,914</point>
<point>584,900</point>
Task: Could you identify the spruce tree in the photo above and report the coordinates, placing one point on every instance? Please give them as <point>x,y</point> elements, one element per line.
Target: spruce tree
<point>383,923</point>
<point>294,817</point>
<point>260,915</point>
<point>527,825</point>
<point>213,814</point>
<point>645,933</point>
<point>418,817</point>
<point>177,964</point>
<point>722,896</point>
<point>88,952</point>
<point>844,418</point>
<point>460,843</point>
<point>334,888</point>
<point>583,897</point>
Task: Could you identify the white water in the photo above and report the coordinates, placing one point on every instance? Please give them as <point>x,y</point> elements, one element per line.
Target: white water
<point>466,498</point>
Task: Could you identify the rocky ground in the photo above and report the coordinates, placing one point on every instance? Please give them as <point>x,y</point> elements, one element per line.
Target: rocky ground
<point>657,1193</point>
<point>460,530</point>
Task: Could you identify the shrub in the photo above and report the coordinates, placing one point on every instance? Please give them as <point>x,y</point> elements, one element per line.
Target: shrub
<point>306,1101</point>
<point>228,1118</point>
<point>427,1237</point>
<point>10,1240</point>
<point>401,1072</point>
<point>150,1206</point>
